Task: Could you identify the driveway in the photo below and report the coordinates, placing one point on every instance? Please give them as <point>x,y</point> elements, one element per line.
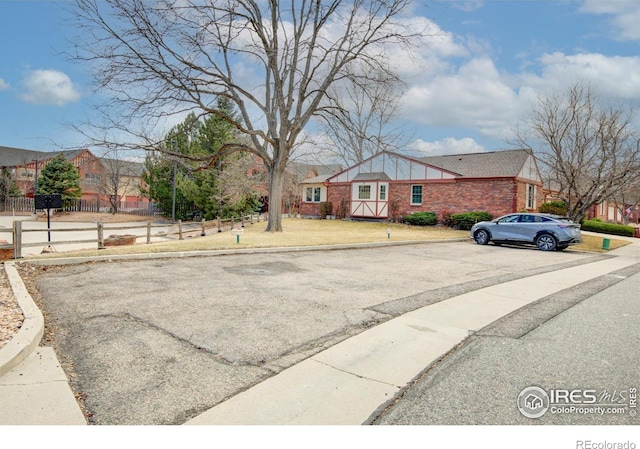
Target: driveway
<point>161,341</point>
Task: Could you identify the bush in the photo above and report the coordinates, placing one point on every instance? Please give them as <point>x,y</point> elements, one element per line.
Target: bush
<point>608,228</point>
<point>554,207</point>
<point>445,218</point>
<point>421,219</point>
<point>468,219</point>
<point>325,208</point>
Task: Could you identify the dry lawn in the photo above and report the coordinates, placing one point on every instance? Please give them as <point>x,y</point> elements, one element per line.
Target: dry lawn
<point>297,232</point>
<point>306,232</point>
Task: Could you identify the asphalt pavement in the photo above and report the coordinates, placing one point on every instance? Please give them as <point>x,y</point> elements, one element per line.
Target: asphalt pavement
<point>351,335</point>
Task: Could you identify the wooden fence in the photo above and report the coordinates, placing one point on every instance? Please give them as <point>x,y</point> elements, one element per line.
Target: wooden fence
<point>142,208</point>
<point>182,230</point>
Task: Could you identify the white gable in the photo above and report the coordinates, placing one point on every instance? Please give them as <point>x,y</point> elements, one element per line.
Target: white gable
<point>530,170</point>
<point>396,167</point>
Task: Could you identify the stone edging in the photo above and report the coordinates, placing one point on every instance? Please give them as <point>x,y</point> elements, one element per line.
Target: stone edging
<point>29,335</point>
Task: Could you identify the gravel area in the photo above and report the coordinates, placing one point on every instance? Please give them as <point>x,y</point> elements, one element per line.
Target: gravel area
<point>10,313</point>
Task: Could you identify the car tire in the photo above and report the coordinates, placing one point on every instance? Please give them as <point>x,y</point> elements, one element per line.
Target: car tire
<point>481,237</point>
<point>546,242</point>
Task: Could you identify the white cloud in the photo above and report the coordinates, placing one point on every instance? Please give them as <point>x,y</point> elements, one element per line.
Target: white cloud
<point>476,97</point>
<point>3,84</point>
<point>448,145</point>
<point>613,76</point>
<point>49,87</point>
<point>625,16</point>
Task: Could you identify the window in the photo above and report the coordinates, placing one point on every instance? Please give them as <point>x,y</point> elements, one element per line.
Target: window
<point>383,193</point>
<point>364,192</point>
<point>531,196</point>
<point>312,195</point>
<point>416,194</point>
<point>509,219</point>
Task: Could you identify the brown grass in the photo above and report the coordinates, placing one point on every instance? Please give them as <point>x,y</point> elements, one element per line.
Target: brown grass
<point>305,232</point>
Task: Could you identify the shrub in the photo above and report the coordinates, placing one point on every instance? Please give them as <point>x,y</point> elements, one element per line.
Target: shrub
<point>445,218</point>
<point>468,219</point>
<point>325,208</point>
<point>554,207</point>
<point>421,219</point>
<point>607,228</point>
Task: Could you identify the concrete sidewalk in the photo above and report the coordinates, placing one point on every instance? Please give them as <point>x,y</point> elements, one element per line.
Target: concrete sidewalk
<point>33,387</point>
<point>351,381</point>
<point>344,384</point>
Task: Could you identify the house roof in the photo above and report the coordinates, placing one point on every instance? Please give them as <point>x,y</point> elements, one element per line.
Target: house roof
<point>123,167</point>
<point>376,176</point>
<point>495,164</point>
<point>13,157</point>
<point>307,172</point>
<point>16,157</point>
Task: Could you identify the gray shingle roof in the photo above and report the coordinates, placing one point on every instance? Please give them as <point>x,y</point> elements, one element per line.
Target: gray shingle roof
<point>380,176</point>
<point>14,157</point>
<point>507,163</point>
<point>301,170</point>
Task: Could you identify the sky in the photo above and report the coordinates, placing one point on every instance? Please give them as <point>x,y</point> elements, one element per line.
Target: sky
<point>472,82</point>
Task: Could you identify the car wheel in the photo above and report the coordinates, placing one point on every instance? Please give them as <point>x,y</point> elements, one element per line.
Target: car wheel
<point>481,237</point>
<point>546,242</point>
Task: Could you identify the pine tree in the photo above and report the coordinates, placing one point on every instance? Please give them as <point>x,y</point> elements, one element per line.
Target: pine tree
<point>60,176</point>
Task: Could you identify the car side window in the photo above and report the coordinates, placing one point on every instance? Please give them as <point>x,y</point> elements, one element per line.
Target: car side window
<point>542,219</point>
<point>528,219</point>
<point>509,219</point>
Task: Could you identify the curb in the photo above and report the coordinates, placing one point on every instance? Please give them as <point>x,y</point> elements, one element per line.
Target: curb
<point>224,252</point>
<point>28,337</point>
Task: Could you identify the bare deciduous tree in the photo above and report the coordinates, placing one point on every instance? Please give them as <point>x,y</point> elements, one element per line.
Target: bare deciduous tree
<point>274,60</point>
<point>359,121</point>
<point>589,150</point>
<point>627,200</point>
<point>119,179</point>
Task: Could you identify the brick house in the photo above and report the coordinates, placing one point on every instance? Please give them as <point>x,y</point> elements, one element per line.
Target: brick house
<point>389,185</point>
<point>94,172</point>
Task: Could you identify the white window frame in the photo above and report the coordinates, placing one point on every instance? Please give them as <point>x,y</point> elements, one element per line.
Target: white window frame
<point>531,196</point>
<point>413,186</point>
<point>313,195</point>
<point>362,189</point>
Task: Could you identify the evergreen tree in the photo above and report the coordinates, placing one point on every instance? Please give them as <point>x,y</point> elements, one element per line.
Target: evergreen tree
<point>201,188</point>
<point>60,176</point>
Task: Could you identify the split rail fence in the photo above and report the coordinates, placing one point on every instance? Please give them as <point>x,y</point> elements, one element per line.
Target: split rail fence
<point>170,231</point>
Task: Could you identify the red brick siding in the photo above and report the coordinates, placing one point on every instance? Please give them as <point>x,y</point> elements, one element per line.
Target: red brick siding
<point>308,209</point>
<point>336,194</point>
<point>496,196</point>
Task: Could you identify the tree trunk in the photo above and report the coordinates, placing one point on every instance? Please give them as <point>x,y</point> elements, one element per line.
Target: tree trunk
<point>276,182</point>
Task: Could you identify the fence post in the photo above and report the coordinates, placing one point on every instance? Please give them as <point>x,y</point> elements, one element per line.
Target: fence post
<point>148,232</point>
<point>219,224</point>
<point>17,239</point>
<point>203,233</point>
<point>100,235</point>
<point>180,229</point>
<point>242,220</point>
<point>232,223</point>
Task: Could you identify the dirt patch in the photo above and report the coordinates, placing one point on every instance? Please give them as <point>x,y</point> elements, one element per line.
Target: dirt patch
<point>92,217</point>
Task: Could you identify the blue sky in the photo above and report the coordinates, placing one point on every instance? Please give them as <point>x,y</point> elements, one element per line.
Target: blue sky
<point>470,85</point>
